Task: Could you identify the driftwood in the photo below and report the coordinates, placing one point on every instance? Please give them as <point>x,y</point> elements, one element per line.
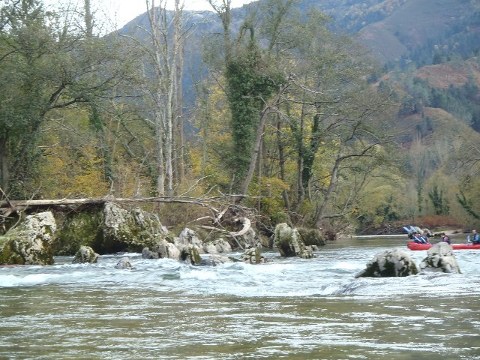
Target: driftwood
<point>247,224</point>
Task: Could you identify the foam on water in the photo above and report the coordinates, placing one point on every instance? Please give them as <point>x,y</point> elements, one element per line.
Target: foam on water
<point>331,273</point>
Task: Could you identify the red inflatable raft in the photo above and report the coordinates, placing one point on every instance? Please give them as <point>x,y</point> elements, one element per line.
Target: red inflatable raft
<point>416,246</point>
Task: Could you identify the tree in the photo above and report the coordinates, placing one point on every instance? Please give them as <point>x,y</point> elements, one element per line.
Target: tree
<point>322,109</point>
<point>439,202</point>
<point>165,58</point>
<point>334,117</point>
<point>248,87</point>
<point>46,66</point>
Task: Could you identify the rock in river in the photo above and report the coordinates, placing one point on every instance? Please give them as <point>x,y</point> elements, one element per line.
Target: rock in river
<point>289,242</point>
<point>390,263</point>
<point>440,258</point>
<point>85,255</point>
<point>30,243</point>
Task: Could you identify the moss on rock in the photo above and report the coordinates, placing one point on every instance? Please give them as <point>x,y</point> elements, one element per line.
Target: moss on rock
<point>79,229</point>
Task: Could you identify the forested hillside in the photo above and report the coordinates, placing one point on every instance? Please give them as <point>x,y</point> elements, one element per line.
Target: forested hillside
<point>278,103</point>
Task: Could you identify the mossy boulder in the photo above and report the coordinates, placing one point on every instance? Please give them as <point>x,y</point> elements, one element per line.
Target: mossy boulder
<point>191,255</point>
<point>30,243</point>
<point>217,246</point>
<point>162,250</point>
<point>110,229</point>
<point>77,229</point>
<point>311,237</point>
<point>189,237</point>
<point>130,230</point>
<point>289,242</point>
<point>390,263</point>
<point>85,255</point>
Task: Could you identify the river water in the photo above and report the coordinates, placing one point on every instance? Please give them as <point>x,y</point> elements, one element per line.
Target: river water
<point>284,309</point>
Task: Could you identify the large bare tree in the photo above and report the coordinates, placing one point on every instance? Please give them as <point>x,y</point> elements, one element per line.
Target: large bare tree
<point>166,59</point>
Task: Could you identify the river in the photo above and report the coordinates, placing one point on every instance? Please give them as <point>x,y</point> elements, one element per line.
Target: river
<point>284,309</point>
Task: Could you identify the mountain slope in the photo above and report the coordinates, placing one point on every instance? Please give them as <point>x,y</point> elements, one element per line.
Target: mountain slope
<point>414,24</point>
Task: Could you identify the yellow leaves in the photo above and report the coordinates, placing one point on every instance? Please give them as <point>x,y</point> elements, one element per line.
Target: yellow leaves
<point>207,167</point>
<point>70,165</point>
<point>209,156</point>
<point>68,174</point>
<point>266,194</point>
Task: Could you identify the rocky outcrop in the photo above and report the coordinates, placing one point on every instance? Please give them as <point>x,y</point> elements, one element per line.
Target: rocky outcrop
<point>79,228</point>
<point>187,246</point>
<point>289,242</point>
<point>440,258</point>
<point>110,229</point>
<point>85,255</point>
<point>30,243</point>
<point>390,263</point>
<point>130,229</point>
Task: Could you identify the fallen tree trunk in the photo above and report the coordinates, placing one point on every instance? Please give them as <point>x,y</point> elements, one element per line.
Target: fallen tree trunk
<point>9,206</point>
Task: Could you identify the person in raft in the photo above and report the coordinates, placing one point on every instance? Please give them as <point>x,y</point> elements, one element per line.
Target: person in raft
<point>446,238</point>
<point>420,238</point>
<point>474,237</point>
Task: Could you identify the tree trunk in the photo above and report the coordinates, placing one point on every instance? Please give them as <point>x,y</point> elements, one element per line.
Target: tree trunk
<point>330,190</point>
<point>281,163</point>
<point>254,156</point>
<point>180,140</point>
<point>309,154</point>
<point>4,175</point>
<point>88,20</point>
<point>258,141</point>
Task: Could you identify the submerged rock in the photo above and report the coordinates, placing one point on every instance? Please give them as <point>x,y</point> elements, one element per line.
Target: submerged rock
<point>85,255</point>
<point>218,246</point>
<point>390,263</point>
<point>440,258</point>
<point>289,242</point>
<point>124,263</point>
<point>253,256</point>
<point>215,260</point>
<point>30,243</point>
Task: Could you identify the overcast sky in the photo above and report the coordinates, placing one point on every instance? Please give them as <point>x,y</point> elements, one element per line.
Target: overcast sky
<point>122,11</point>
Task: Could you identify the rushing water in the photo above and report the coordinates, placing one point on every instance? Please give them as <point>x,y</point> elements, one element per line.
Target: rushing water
<point>284,309</point>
